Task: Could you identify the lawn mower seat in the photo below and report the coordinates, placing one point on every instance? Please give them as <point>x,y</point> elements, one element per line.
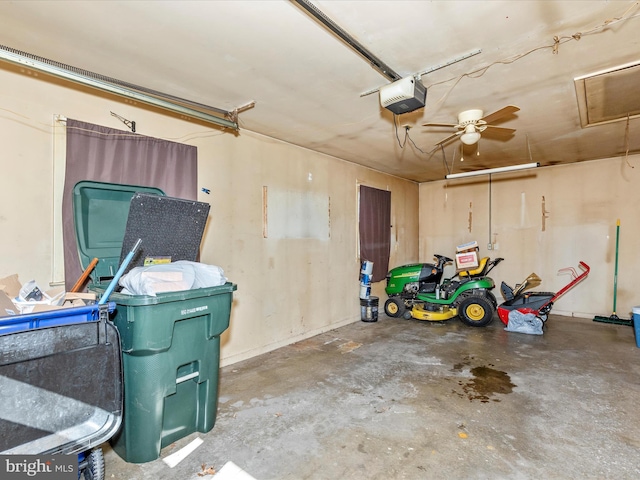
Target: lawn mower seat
<point>478,271</point>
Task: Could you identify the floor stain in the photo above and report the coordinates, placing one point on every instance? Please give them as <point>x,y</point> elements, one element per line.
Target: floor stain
<point>309,344</point>
<point>349,347</point>
<point>634,442</point>
<point>466,361</point>
<point>485,383</point>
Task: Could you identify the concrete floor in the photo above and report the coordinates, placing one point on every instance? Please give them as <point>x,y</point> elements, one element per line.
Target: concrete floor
<point>404,399</point>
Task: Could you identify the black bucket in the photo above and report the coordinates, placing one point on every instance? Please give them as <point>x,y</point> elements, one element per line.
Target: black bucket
<point>369,309</point>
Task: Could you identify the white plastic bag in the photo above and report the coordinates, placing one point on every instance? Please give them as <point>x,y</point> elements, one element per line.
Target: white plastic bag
<point>171,277</point>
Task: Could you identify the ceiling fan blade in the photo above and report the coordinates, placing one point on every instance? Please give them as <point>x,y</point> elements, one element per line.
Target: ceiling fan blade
<point>500,129</point>
<point>450,137</point>
<point>503,112</point>
<point>439,125</point>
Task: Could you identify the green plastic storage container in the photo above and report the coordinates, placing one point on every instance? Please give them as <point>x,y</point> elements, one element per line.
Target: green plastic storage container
<point>171,356</point>
<point>170,342</point>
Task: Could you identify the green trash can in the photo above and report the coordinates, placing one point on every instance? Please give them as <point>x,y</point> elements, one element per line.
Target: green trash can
<point>171,356</point>
<point>170,342</point>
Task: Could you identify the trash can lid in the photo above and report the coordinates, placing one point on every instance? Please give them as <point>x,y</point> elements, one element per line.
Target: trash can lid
<point>100,213</point>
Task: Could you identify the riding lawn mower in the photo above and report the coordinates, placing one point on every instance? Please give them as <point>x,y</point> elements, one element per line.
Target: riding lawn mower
<point>418,291</point>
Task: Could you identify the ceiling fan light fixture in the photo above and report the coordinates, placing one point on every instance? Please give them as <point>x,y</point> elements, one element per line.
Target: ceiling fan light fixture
<point>469,138</point>
<point>471,124</point>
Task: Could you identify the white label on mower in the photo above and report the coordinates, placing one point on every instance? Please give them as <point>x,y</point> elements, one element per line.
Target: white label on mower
<point>187,311</point>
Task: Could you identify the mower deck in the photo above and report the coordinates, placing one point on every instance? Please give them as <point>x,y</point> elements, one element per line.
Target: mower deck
<point>420,313</point>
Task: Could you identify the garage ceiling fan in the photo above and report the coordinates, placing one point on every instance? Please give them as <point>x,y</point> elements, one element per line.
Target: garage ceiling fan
<point>471,123</point>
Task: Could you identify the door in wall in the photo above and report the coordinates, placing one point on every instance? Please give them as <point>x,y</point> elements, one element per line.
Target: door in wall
<point>375,229</point>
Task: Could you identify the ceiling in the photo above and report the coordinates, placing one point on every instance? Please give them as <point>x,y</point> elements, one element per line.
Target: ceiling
<point>307,84</point>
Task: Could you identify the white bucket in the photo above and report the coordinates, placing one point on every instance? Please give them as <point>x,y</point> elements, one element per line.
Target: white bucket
<point>367,267</point>
<point>365,291</point>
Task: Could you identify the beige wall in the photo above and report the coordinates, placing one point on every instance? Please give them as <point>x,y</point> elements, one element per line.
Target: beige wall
<point>288,288</point>
<point>292,288</point>
<point>583,202</point>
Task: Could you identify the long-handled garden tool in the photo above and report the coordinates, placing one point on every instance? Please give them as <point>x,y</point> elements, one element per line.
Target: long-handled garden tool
<point>85,275</point>
<point>613,318</point>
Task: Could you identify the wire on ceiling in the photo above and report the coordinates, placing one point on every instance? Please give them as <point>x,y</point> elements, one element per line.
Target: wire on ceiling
<point>557,41</point>
<point>406,135</point>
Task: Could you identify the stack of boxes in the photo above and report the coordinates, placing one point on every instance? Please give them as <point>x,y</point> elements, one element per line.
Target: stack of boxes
<point>467,256</point>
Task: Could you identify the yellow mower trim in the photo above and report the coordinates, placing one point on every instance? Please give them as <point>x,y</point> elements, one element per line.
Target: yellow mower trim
<point>420,313</point>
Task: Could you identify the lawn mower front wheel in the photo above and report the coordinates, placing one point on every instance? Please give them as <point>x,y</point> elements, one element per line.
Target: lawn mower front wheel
<point>394,307</point>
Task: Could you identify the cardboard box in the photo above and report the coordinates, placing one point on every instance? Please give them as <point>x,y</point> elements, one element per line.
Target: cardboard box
<point>11,285</point>
<point>467,260</point>
<point>467,247</point>
<point>53,299</point>
<point>7,307</point>
<point>467,256</point>
<point>71,299</point>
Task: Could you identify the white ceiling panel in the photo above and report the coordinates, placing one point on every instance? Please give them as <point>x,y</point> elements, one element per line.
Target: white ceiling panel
<point>307,84</point>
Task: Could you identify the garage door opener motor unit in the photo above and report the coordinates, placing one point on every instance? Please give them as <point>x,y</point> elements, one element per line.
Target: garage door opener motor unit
<point>403,96</point>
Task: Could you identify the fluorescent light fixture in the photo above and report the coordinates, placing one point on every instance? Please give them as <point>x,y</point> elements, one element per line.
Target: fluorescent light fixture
<point>489,171</point>
<point>116,87</point>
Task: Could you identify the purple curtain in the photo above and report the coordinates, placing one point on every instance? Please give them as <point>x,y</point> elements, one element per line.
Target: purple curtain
<point>115,156</point>
<point>375,230</point>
